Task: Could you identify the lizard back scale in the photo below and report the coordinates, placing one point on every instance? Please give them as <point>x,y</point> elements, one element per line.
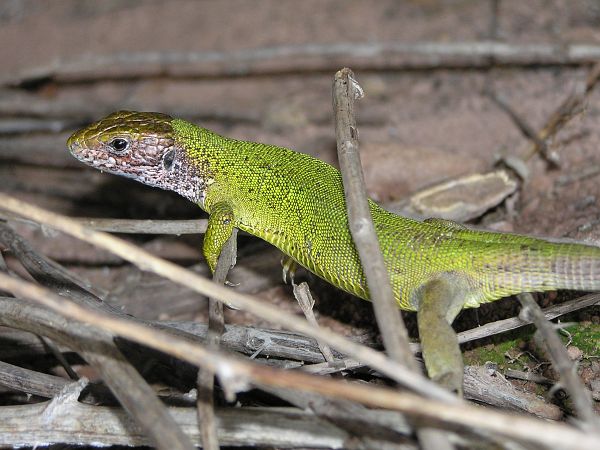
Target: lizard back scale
<point>296,202</point>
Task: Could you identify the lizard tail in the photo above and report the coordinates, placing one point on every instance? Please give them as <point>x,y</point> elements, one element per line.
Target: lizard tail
<point>547,267</point>
<point>576,267</point>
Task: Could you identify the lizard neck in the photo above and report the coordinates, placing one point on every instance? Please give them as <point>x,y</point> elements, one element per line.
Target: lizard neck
<point>185,178</point>
<point>201,158</point>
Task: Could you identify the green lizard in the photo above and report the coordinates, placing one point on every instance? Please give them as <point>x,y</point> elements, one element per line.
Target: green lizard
<point>296,202</point>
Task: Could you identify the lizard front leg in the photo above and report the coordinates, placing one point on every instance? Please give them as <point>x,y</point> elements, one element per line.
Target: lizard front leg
<point>220,227</point>
<point>440,301</point>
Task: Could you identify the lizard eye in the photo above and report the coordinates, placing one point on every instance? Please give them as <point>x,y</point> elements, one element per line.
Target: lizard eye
<point>119,144</point>
<point>168,159</point>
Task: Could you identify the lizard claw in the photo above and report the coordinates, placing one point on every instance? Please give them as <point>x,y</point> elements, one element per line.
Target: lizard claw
<point>230,306</point>
<point>289,267</point>
<point>230,284</point>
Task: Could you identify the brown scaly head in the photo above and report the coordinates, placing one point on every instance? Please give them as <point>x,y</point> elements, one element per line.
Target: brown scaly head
<point>138,145</point>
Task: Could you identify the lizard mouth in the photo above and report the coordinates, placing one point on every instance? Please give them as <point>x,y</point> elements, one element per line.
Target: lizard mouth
<point>79,152</point>
<point>91,157</point>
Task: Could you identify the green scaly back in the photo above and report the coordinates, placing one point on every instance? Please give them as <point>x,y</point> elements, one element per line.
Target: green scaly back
<point>296,202</point>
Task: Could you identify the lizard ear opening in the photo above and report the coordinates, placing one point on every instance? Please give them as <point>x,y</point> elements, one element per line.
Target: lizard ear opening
<point>168,159</point>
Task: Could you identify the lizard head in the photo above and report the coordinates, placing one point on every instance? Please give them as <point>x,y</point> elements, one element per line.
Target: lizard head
<point>138,145</point>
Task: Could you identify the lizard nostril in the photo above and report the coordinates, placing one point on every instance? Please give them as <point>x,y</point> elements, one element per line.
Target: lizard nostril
<point>72,141</point>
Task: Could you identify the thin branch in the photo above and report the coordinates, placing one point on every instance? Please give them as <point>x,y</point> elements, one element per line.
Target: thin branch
<point>123,379</point>
<point>48,386</point>
<point>351,416</point>
<point>242,372</point>
<point>48,272</point>
<point>306,302</point>
<point>283,344</point>
<point>216,326</point>
<point>372,56</point>
<point>561,362</point>
<point>177,227</point>
<point>272,343</point>
<point>478,385</point>
<point>387,313</point>
<point>501,326</point>
<point>569,108</point>
<point>523,125</point>
<point>30,381</point>
<point>24,426</point>
<point>393,331</point>
<point>280,344</point>
<point>132,226</point>
<point>247,340</point>
<point>147,261</point>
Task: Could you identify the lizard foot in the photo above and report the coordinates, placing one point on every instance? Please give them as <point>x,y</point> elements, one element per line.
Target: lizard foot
<point>289,267</point>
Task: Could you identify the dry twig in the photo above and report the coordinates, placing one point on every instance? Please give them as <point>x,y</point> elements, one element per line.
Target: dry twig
<point>147,261</point>
<point>371,56</point>
<point>16,312</point>
<point>387,314</point>
<point>501,326</point>
<point>216,326</point>
<point>123,379</point>
<point>280,344</point>
<point>23,426</point>
<point>569,108</point>
<point>393,331</point>
<point>241,372</point>
<point>132,226</point>
<point>306,302</point>
<point>561,362</point>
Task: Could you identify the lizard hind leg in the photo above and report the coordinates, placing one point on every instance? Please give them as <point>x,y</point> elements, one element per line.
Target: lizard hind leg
<point>439,302</point>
